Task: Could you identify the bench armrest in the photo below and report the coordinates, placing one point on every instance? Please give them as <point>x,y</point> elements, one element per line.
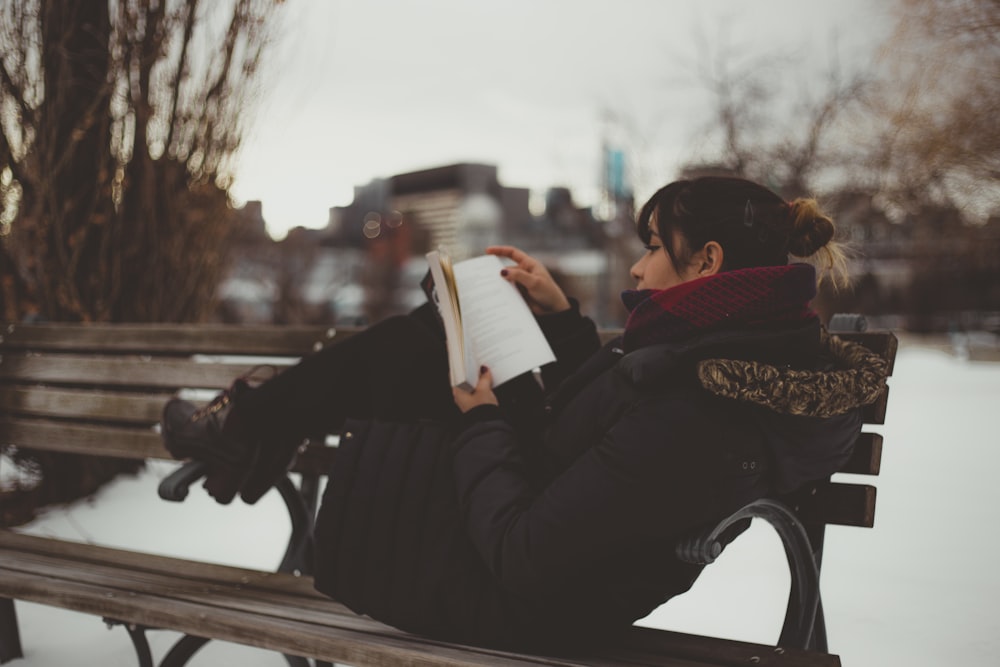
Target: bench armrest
<point>176,485</point>
<point>803,596</point>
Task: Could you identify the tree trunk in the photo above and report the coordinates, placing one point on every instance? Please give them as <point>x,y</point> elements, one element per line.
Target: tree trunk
<point>71,213</point>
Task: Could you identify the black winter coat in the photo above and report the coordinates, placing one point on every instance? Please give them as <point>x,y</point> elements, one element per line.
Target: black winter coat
<point>550,522</point>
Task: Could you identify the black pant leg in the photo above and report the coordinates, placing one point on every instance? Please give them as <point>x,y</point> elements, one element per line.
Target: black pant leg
<point>395,370</point>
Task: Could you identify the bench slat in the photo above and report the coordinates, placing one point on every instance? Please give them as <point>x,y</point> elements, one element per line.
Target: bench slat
<point>125,371</point>
<point>92,440</point>
<point>287,636</point>
<point>211,572</point>
<point>836,503</point>
<point>656,641</point>
<point>282,599</point>
<point>866,459</point>
<point>120,407</point>
<point>287,615</point>
<point>184,339</point>
<point>122,442</point>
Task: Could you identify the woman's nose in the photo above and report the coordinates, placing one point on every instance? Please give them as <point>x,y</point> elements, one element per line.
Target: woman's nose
<point>636,270</point>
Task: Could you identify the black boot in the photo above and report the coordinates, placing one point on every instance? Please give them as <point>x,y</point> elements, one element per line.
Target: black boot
<point>238,461</point>
<point>201,433</point>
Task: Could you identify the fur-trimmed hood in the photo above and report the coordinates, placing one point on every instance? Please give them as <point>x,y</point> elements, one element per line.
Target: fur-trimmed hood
<point>856,378</point>
<point>810,418</point>
<point>805,389</point>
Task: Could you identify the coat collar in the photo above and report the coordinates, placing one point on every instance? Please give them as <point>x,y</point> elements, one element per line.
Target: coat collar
<point>855,377</point>
<point>775,369</point>
<point>782,345</point>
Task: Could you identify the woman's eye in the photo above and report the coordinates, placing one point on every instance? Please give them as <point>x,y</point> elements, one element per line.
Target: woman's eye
<point>651,248</point>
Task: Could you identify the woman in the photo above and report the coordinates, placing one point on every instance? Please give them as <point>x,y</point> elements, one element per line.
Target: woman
<point>546,518</point>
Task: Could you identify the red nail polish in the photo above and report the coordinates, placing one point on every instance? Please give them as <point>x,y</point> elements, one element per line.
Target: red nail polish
<point>503,272</point>
<point>482,370</point>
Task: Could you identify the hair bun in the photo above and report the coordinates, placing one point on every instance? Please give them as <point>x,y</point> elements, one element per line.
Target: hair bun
<point>809,228</point>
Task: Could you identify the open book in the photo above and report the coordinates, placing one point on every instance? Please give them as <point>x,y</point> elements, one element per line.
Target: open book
<point>486,321</point>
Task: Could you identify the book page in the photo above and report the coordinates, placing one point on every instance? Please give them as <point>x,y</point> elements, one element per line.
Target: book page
<point>497,323</point>
<point>446,302</point>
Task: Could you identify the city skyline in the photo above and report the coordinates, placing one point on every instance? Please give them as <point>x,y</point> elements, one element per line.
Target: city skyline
<point>358,91</point>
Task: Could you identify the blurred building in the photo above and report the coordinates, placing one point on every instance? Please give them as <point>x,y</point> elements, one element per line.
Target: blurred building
<point>926,270</point>
<point>462,207</point>
<point>368,261</point>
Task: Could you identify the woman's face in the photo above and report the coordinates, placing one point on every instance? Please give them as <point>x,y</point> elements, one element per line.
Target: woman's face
<point>655,269</point>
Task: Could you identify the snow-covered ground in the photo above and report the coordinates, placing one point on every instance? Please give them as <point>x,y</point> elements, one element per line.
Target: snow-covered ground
<point>920,589</point>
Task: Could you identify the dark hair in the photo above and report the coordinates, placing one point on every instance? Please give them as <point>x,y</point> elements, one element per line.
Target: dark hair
<point>753,224</point>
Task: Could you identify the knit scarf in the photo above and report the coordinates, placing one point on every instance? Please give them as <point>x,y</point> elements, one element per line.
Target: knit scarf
<point>744,298</point>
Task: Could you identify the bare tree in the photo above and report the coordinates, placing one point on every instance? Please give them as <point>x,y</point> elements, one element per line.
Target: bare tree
<point>119,120</point>
<point>913,140</point>
<point>118,126</point>
<point>937,139</point>
<point>764,134</point>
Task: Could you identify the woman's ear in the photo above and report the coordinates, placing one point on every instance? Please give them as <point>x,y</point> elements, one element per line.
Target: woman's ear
<point>710,259</point>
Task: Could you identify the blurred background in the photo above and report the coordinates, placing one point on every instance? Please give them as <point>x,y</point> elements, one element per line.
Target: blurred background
<point>268,161</point>
<point>291,162</point>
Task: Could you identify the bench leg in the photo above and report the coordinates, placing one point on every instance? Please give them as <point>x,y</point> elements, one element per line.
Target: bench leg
<point>298,555</point>
<point>188,645</point>
<point>819,632</point>
<point>10,637</point>
<point>182,651</point>
<point>137,633</point>
<point>297,661</point>
<point>817,538</point>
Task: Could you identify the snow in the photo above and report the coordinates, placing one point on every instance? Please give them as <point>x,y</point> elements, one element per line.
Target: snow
<point>920,587</point>
<point>917,590</point>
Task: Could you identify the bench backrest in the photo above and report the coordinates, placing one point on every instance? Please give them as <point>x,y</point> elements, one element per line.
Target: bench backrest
<point>100,389</point>
<point>848,503</point>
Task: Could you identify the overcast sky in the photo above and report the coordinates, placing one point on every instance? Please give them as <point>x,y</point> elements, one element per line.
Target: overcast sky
<point>361,89</point>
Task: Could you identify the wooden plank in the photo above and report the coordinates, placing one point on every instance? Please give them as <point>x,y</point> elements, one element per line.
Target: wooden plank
<point>128,370</point>
<point>649,641</point>
<point>240,339</point>
<point>287,636</point>
<point>249,585</point>
<point>343,637</point>
<point>866,459</point>
<point>120,407</point>
<point>835,503</point>
<point>281,595</point>
<point>240,596</point>
<point>123,442</point>
<point>94,440</point>
<point>176,338</point>
<point>282,600</point>
<point>279,600</point>
<point>83,552</point>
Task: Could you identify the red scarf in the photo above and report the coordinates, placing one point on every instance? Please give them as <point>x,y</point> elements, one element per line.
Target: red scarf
<point>744,298</point>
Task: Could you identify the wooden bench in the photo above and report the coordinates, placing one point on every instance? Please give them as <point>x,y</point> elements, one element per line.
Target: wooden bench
<point>99,390</point>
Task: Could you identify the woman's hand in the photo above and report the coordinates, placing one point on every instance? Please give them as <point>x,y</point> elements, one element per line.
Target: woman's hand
<point>533,279</point>
<point>481,394</point>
